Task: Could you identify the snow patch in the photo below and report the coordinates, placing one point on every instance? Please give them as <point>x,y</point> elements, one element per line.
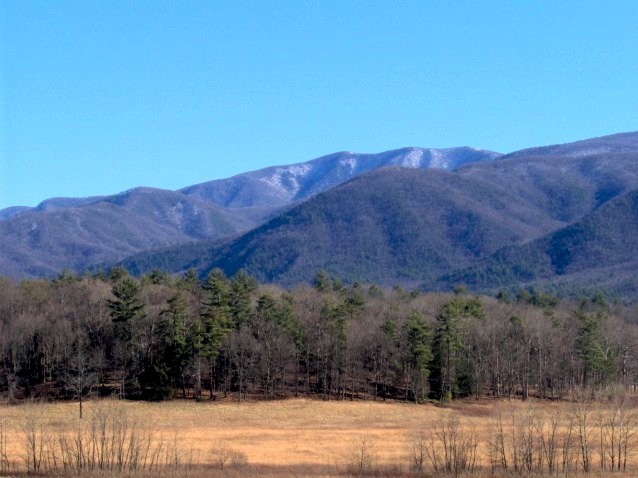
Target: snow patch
<point>286,181</point>
<point>438,160</point>
<point>176,214</point>
<point>594,150</point>
<point>350,162</point>
<point>413,159</point>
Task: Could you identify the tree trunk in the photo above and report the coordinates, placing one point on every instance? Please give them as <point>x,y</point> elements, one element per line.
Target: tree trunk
<point>212,379</point>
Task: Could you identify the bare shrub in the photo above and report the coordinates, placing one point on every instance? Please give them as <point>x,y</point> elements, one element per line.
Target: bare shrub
<point>451,448</point>
<point>362,455</point>
<point>547,431</point>
<point>497,445</point>
<point>109,441</point>
<point>525,456</point>
<point>223,456</point>
<point>582,420</point>
<point>4,437</point>
<point>36,439</point>
<point>530,443</point>
<point>569,447</point>
<point>238,459</point>
<point>617,438</point>
<point>418,452</point>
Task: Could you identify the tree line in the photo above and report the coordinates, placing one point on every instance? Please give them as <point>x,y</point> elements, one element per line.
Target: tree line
<point>158,337</point>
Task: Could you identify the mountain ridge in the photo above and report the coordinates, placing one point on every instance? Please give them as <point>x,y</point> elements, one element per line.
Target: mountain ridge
<point>390,217</point>
<point>295,182</point>
<point>530,197</point>
<point>603,239</point>
<point>613,143</point>
<point>76,241</point>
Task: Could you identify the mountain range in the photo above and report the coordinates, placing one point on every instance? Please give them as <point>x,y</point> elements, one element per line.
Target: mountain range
<point>562,217</point>
<point>77,233</point>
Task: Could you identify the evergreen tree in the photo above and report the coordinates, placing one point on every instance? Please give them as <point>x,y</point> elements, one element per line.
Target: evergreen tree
<point>322,281</point>
<point>449,344</point>
<point>125,309</point>
<point>594,353</point>
<point>419,337</point>
<point>241,287</point>
<point>127,304</point>
<point>215,319</point>
<point>189,281</point>
<point>195,344</point>
<point>172,354</point>
<point>268,332</point>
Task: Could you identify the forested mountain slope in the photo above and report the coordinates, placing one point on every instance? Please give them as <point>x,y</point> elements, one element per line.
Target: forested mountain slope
<point>399,225</point>
<point>566,188</point>
<point>283,185</point>
<point>394,224</point>
<point>597,251</point>
<point>614,143</point>
<point>78,233</point>
<point>440,211</point>
<point>41,244</point>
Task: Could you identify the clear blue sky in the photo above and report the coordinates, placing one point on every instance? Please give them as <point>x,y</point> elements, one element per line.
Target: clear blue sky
<point>100,96</point>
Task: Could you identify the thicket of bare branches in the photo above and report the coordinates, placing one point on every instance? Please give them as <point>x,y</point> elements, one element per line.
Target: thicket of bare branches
<point>448,447</point>
<point>108,440</point>
<point>581,437</point>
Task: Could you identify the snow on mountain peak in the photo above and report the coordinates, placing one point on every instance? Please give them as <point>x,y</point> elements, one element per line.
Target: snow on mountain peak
<point>279,185</point>
<point>286,180</point>
<point>349,162</point>
<point>438,159</point>
<point>413,159</point>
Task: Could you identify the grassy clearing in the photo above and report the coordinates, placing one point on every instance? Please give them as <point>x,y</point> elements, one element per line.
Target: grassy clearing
<point>296,437</point>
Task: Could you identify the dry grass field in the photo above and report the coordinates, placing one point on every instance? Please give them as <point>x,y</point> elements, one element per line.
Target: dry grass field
<point>295,437</point>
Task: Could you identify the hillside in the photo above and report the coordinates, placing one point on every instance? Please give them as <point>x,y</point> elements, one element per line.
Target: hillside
<point>404,216</point>
<point>389,225</point>
<point>402,225</point>
<point>79,233</point>
<point>597,251</point>
<point>42,243</point>
<point>567,188</point>
<point>283,185</point>
<point>615,143</point>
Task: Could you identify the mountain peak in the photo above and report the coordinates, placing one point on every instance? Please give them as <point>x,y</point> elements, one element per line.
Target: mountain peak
<point>281,185</point>
<point>405,214</point>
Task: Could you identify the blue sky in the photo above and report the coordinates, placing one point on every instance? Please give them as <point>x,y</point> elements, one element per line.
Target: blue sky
<point>100,96</point>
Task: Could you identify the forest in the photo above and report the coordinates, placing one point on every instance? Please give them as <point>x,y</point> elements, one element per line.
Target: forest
<point>159,337</point>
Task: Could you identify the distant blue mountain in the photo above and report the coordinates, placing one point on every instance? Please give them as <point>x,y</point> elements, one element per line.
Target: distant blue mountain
<point>515,221</point>
<point>282,185</point>
<point>76,233</point>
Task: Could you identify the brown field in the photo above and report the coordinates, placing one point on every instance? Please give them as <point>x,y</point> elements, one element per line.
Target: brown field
<point>294,437</point>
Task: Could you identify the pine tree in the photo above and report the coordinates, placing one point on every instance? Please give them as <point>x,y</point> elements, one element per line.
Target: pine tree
<point>215,319</point>
<point>592,349</point>
<point>449,344</point>
<point>419,338</point>
<point>126,308</point>
<point>172,354</point>
<point>241,287</point>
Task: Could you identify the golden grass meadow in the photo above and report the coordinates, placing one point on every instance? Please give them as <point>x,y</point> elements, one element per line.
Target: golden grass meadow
<point>293,437</point>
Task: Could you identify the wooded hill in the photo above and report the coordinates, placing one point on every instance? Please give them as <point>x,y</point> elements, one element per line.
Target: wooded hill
<point>441,229</point>
<point>597,251</point>
<point>556,218</point>
<point>79,233</point>
<point>160,337</point>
